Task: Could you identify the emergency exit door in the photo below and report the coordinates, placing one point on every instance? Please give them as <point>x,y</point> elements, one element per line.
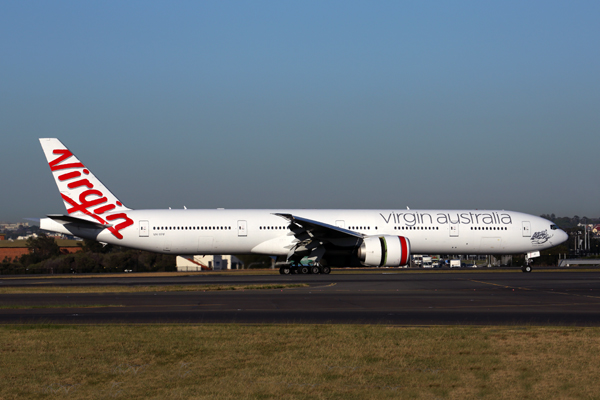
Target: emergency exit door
<point>144,229</point>
<point>526,228</point>
<point>453,230</point>
<point>242,228</point>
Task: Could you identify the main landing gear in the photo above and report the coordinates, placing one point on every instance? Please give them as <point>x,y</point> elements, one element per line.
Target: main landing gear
<point>304,269</point>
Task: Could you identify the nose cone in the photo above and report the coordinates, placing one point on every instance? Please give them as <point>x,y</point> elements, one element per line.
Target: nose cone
<point>560,237</point>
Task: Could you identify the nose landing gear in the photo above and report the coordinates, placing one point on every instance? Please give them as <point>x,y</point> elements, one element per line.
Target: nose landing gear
<point>527,267</point>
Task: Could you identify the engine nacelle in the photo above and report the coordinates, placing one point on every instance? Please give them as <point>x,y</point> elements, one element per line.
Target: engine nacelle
<point>384,251</point>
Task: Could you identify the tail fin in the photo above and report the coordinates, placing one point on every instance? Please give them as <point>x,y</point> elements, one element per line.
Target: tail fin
<point>84,195</point>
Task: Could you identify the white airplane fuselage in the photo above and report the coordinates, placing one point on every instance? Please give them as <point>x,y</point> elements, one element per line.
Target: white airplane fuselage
<point>263,232</point>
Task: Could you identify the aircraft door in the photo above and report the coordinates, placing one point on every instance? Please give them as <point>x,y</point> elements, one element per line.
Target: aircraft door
<point>340,224</point>
<point>242,229</point>
<point>144,229</point>
<point>526,229</point>
<point>453,230</point>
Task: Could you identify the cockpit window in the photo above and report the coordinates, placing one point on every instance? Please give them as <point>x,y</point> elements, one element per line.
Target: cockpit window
<point>553,227</point>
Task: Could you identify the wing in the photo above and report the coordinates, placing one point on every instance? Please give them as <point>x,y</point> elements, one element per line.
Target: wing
<point>313,237</point>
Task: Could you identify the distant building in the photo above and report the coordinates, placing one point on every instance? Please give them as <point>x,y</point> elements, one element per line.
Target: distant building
<point>208,263</point>
<point>33,235</point>
<point>2,236</point>
<point>13,227</point>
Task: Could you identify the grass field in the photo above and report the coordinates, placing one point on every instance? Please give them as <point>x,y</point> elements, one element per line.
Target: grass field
<point>297,362</point>
<point>41,306</point>
<point>143,288</point>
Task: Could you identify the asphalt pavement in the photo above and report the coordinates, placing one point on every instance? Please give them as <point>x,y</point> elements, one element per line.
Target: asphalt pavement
<point>391,297</point>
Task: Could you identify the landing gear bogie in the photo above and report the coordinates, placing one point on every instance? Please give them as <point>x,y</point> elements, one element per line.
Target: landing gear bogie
<point>315,269</point>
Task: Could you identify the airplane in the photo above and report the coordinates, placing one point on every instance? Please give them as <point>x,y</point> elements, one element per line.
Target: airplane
<point>372,238</point>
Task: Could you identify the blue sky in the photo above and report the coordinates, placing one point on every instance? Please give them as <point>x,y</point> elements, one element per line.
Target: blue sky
<point>325,104</point>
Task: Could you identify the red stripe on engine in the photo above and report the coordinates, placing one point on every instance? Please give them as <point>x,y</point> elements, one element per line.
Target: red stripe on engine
<point>404,247</point>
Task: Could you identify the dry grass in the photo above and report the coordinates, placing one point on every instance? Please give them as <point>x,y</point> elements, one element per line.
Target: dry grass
<point>297,362</point>
<point>27,307</point>
<point>142,288</point>
<point>149,274</point>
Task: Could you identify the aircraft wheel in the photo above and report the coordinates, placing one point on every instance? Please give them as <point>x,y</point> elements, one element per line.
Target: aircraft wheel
<point>526,268</point>
<point>326,270</point>
<point>303,270</point>
<point>315,270</point>
<point>285,270</point>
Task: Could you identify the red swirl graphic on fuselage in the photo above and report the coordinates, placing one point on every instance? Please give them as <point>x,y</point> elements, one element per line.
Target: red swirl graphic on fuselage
<point>89,198</point>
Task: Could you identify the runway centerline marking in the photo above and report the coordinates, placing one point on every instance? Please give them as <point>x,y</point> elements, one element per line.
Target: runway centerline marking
<point>497,284</point>
<point>513,305</point>
<point>536,290</point>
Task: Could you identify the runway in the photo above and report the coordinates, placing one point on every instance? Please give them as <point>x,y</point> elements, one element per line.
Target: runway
<point>376,297</point>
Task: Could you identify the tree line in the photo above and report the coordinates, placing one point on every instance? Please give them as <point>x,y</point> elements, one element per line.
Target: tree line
<point>570,222</point>
<point>46,257</point>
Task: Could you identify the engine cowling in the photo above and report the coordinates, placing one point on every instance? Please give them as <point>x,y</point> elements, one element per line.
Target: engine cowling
<point>384,251</point>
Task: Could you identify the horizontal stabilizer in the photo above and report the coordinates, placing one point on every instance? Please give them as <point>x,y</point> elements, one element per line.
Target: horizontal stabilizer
<point>84,223</point>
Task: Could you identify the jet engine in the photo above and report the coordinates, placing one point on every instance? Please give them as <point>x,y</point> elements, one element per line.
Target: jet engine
<point>384,251</point>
